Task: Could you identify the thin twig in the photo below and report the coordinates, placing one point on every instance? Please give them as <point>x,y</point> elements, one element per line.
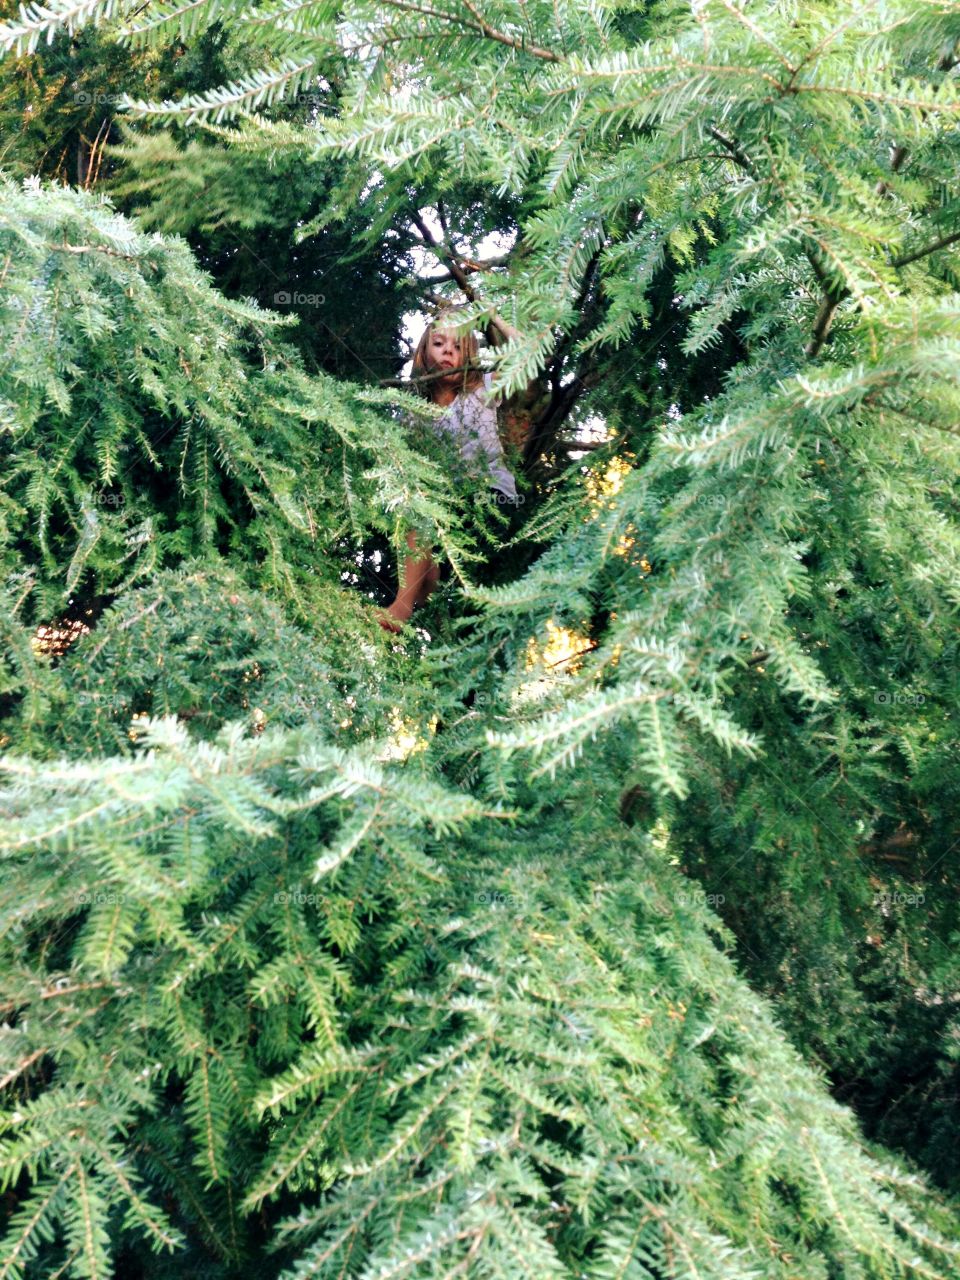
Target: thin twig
<point>447,253</point>
<point>481,26</point>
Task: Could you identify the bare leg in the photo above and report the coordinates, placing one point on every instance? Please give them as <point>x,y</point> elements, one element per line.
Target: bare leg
<point>419,577</point>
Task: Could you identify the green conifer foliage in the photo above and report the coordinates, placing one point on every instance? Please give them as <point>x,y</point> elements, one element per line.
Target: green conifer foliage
<point>289,1007</point>
<point>153,419</point>
<point>401,976</point>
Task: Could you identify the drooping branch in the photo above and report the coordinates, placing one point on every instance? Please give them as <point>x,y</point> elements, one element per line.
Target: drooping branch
<point>834,294</point>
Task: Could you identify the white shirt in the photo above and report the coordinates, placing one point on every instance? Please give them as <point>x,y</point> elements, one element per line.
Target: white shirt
<point>473,425</point>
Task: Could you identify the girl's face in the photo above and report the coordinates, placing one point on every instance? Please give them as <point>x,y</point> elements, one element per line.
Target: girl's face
<point>443,351</point>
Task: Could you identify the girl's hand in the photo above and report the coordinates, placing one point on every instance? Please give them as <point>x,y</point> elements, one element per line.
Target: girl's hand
<point>499,332</point>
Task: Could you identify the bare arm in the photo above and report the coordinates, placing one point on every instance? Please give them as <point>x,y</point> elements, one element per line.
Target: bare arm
<point>499,332</point>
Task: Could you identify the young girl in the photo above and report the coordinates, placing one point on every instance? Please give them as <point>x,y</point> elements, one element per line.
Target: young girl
<point>451,378</point>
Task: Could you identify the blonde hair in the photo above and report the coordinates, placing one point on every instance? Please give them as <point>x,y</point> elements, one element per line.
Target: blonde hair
<point>469,352</point>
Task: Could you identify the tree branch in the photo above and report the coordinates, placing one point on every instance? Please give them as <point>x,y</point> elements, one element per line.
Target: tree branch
<point>735,151</point>
<point>409,383</point>
<point>99,248</point>
<point>446,253</point>
<point>493,34</point>
<point>480,25</point>
<point>930,248</point>
<point>821,326</point>
<point>832,298</point>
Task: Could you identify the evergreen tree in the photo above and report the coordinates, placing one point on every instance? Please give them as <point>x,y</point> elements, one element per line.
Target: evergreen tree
<point>158,420</point>
<point>391,970</point>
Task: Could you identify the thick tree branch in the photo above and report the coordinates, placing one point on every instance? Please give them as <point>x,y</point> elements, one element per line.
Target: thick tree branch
<point>898,156</point>
<point>470,265</point>
<point>735,151</point>
<point>888,846</point>
<point>942,243</point>
<point>821,325</point>
<point>559,409</point>
<point>441,214</point>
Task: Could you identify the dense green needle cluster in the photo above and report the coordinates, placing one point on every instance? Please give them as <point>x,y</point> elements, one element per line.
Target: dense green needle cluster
<point>474,1036</point>
<point>550,939</point>
<point>151,419</point>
